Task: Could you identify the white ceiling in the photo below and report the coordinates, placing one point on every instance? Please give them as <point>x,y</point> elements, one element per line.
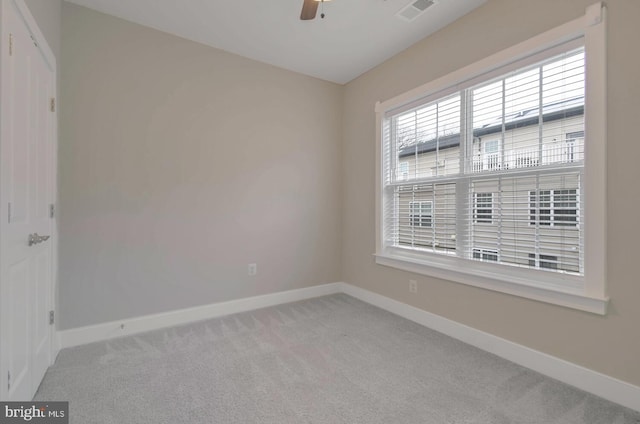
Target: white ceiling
<point>355,35</point>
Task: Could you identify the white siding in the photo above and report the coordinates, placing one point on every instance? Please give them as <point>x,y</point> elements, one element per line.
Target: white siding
<point>523,238</point>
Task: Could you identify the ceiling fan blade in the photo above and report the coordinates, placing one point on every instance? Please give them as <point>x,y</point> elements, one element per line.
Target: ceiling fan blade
<point>309,9</point>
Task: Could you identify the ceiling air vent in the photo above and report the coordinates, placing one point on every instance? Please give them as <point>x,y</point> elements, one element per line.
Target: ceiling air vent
<point>415,9</point>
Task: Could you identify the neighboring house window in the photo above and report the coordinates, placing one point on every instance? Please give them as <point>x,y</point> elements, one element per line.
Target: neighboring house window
<point>513,132</point>
<point>485,255</point>
<point>557,208</point>
<point>543,261</point>
<point>575,136</point>
<point>483,208</point>
<point>420,214</point>
<point>403,170</point>
<point>491,155</point>
<point>574,146</point>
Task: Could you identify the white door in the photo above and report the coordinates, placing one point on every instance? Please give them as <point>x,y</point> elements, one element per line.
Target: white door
<point>27,137</point>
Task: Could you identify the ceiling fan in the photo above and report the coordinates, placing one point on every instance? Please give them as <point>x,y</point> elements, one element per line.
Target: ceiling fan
<point>309,9</point>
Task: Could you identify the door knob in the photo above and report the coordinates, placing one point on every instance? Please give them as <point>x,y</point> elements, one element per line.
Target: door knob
<point>35,239</point>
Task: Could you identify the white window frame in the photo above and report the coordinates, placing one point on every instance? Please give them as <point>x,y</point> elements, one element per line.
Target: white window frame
<point>587,292</point>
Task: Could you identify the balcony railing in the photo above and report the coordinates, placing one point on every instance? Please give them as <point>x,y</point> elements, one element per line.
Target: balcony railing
<point>563,152</point>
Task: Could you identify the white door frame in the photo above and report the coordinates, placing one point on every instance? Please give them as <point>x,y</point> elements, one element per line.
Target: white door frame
<point>46,51</point>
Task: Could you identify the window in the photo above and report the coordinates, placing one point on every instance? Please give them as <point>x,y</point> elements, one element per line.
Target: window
<point>485,255</point>
<point>574,146</point>
<point>543,262</point>
<point>572,137</point>
<point>420,214</point>
<point>483,208</point>
<point>491,158</point>
<point>499,172</point>
<point>403,170</point>
<point>519,111</point>
<point>557,208</point>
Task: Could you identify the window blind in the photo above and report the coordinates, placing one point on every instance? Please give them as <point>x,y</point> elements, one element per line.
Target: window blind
<point>492,172</point>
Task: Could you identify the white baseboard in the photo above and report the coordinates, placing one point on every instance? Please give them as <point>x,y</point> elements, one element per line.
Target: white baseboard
<point>585,379</point>
<point>109,330</point>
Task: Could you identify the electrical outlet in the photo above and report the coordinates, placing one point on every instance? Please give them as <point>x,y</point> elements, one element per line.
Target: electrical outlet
<point>253,269</point>
<point>413,286</point>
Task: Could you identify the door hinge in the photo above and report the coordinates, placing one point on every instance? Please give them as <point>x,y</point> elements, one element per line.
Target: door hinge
<point>52,210</point>
<point>10,44</point>
<point>9,212</point>
<point>8,380</point>
<point>53,104</point>
<point>52,319</point>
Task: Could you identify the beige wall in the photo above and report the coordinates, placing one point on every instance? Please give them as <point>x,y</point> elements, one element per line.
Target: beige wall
<point>179,165</point>
<point>606,344</point>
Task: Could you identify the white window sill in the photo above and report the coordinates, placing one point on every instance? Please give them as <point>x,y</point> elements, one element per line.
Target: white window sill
<point>517,283</point>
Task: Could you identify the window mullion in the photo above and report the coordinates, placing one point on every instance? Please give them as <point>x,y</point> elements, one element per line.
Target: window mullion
<point>580,223</point>
<point>501,148</point>
<point>437,138</point>
<point>552,208</point>
<point>433,217</point>
<point>415,143</point>
<point>412,216</point>
<point>540,119</point>
<point>392,160</point>
<point>538,217</point>
<point>464,203</point>
<point>499,208</point>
